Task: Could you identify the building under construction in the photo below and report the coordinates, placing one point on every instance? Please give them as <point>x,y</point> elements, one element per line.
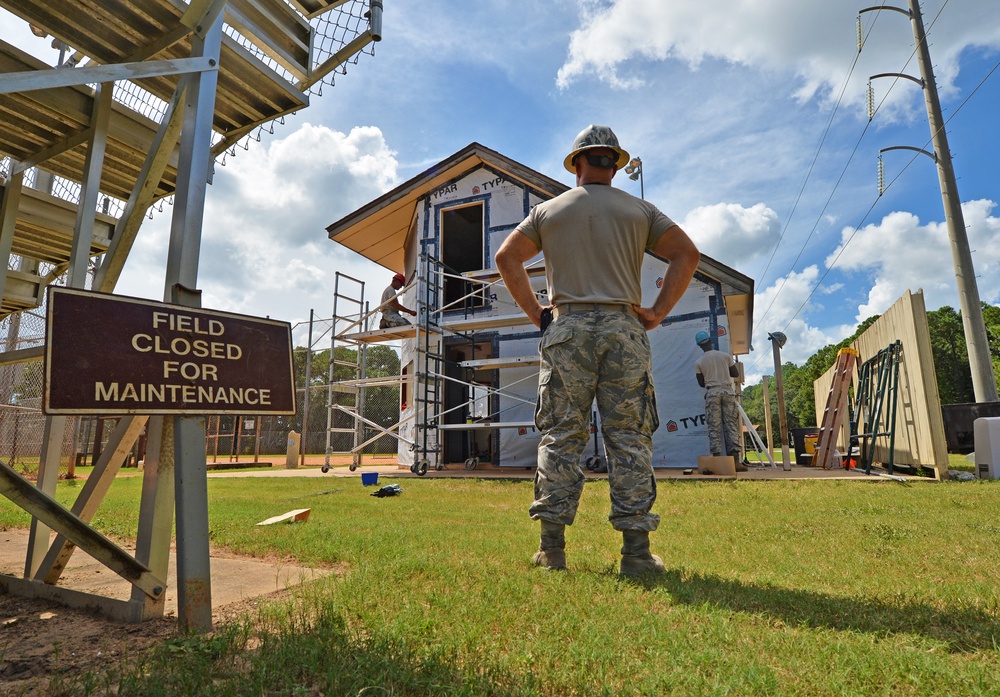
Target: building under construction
<point>469,361</point>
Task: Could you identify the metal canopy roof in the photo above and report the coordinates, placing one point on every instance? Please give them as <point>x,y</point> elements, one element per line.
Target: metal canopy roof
<point>123,31</point>
<point>270,56</point>
<point>378,230</point>
<point>39,120</point>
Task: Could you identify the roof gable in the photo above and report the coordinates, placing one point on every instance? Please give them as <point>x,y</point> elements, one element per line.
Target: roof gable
<point>378,230</point>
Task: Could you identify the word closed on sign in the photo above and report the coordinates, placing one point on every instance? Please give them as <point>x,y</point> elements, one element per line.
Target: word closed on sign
<point>108,354</point>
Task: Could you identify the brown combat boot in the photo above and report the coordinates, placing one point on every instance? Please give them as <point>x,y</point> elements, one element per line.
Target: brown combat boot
<point>551,552</point>
<point>636,558</point>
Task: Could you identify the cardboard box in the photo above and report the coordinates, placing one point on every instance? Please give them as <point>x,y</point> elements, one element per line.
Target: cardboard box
<point>721,466</point>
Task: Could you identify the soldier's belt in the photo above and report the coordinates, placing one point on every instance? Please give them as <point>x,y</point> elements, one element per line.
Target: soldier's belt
<point>570,308</point>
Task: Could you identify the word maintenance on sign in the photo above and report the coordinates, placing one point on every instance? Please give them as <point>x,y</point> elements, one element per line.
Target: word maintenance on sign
<point>109,354</point>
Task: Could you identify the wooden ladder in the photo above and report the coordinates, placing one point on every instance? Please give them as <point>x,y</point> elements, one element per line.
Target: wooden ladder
<point>836,408</point>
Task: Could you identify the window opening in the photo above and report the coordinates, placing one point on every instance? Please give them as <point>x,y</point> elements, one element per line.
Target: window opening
<point>461,251</point>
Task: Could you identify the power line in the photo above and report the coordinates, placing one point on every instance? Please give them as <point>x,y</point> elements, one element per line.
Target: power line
<point>857,228</point>
<point>812,164</point>
<point>819,218</point>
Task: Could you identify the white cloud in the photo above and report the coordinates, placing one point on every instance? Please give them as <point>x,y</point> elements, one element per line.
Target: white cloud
<point>731,233</point>
<point>814,41</point>
<point>882,261</point>
<point>16,32</point>
<point>784,306</point>
<point>265,250</point>
<point>902,254</point>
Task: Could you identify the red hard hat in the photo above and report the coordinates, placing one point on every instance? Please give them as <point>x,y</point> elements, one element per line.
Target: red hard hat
<point>399,277</point>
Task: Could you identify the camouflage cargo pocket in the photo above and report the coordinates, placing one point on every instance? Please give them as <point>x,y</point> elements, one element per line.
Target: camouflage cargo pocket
<point>557,333</point>
<point>651,419</point>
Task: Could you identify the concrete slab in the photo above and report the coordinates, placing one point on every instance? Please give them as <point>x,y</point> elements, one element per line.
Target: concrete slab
<point>235,579</point>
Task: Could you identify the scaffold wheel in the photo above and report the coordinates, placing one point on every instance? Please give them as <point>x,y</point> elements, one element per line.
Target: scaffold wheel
<point>472,463</point>
<point>422,466</point>
<point>594,464</point>
<point>325,469</point>
<point>353,466</point>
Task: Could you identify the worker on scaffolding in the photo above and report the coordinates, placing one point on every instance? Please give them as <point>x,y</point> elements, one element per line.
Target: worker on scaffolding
<point>594,238</point>
<point>391,307</point>
<point>715,371</point>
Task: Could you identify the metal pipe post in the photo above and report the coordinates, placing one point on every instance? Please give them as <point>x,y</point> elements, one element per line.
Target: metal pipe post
<point>786,463</point>
<point>194,583</point>
<point>305,392</point>
<point>767,413</point>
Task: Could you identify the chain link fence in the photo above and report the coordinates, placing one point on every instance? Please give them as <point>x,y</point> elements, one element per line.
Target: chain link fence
<point>325,421</point>
<point>358,410</point>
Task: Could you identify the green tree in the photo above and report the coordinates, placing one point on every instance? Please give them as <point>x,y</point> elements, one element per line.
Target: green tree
<point>951,367</point>
<point>951,358</point>
<point>991,317</point>
<point>753,403</point>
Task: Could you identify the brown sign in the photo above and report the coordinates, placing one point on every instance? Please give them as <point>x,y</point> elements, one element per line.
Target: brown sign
<point>109,354</point>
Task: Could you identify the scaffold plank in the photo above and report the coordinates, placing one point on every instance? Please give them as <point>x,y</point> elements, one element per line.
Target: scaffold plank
<point>468,324</point>
<point>493,275</point>
<point>498,363</point>
<point>486,425</point>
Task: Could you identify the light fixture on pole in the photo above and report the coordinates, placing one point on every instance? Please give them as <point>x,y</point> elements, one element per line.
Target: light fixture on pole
<point>634,171</point>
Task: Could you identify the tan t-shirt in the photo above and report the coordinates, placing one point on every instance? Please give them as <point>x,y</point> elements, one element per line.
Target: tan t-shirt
<point>593,238</point>
<point>714,367</point>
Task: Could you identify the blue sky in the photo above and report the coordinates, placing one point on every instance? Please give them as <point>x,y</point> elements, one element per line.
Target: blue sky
<point>750,119</point>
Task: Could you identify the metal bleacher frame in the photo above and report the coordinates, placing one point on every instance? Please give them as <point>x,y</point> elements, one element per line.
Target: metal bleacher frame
<point>205,74</point>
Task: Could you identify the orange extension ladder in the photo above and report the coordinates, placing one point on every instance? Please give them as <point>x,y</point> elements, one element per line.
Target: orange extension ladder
<point>836,408</point>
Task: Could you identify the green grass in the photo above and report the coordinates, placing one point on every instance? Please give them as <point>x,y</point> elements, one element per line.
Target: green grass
<point>772,588</point>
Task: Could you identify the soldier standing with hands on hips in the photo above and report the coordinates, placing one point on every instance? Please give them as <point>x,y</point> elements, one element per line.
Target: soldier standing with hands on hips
<point>594,237</point>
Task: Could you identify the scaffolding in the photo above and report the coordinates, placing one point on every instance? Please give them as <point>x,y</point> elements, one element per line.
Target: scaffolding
<point>446,395</point>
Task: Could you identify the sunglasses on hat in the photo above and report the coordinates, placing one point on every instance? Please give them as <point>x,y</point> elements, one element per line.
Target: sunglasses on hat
<point>599,161</point>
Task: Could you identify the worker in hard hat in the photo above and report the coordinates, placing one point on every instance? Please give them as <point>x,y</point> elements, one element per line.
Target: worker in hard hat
<point>391,307</point>
<point>594,237</point>
<point>715,371</point>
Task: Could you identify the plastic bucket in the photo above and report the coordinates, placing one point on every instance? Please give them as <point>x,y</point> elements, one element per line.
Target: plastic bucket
<point>369,478</point>
<point>811,441</point>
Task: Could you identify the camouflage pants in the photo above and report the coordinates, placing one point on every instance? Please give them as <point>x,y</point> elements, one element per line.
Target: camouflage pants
<point>722,415</point>
<point>602,355</point>
<point>391,318</point>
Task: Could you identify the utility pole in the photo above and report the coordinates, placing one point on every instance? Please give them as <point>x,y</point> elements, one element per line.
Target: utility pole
<point>977,344</point>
